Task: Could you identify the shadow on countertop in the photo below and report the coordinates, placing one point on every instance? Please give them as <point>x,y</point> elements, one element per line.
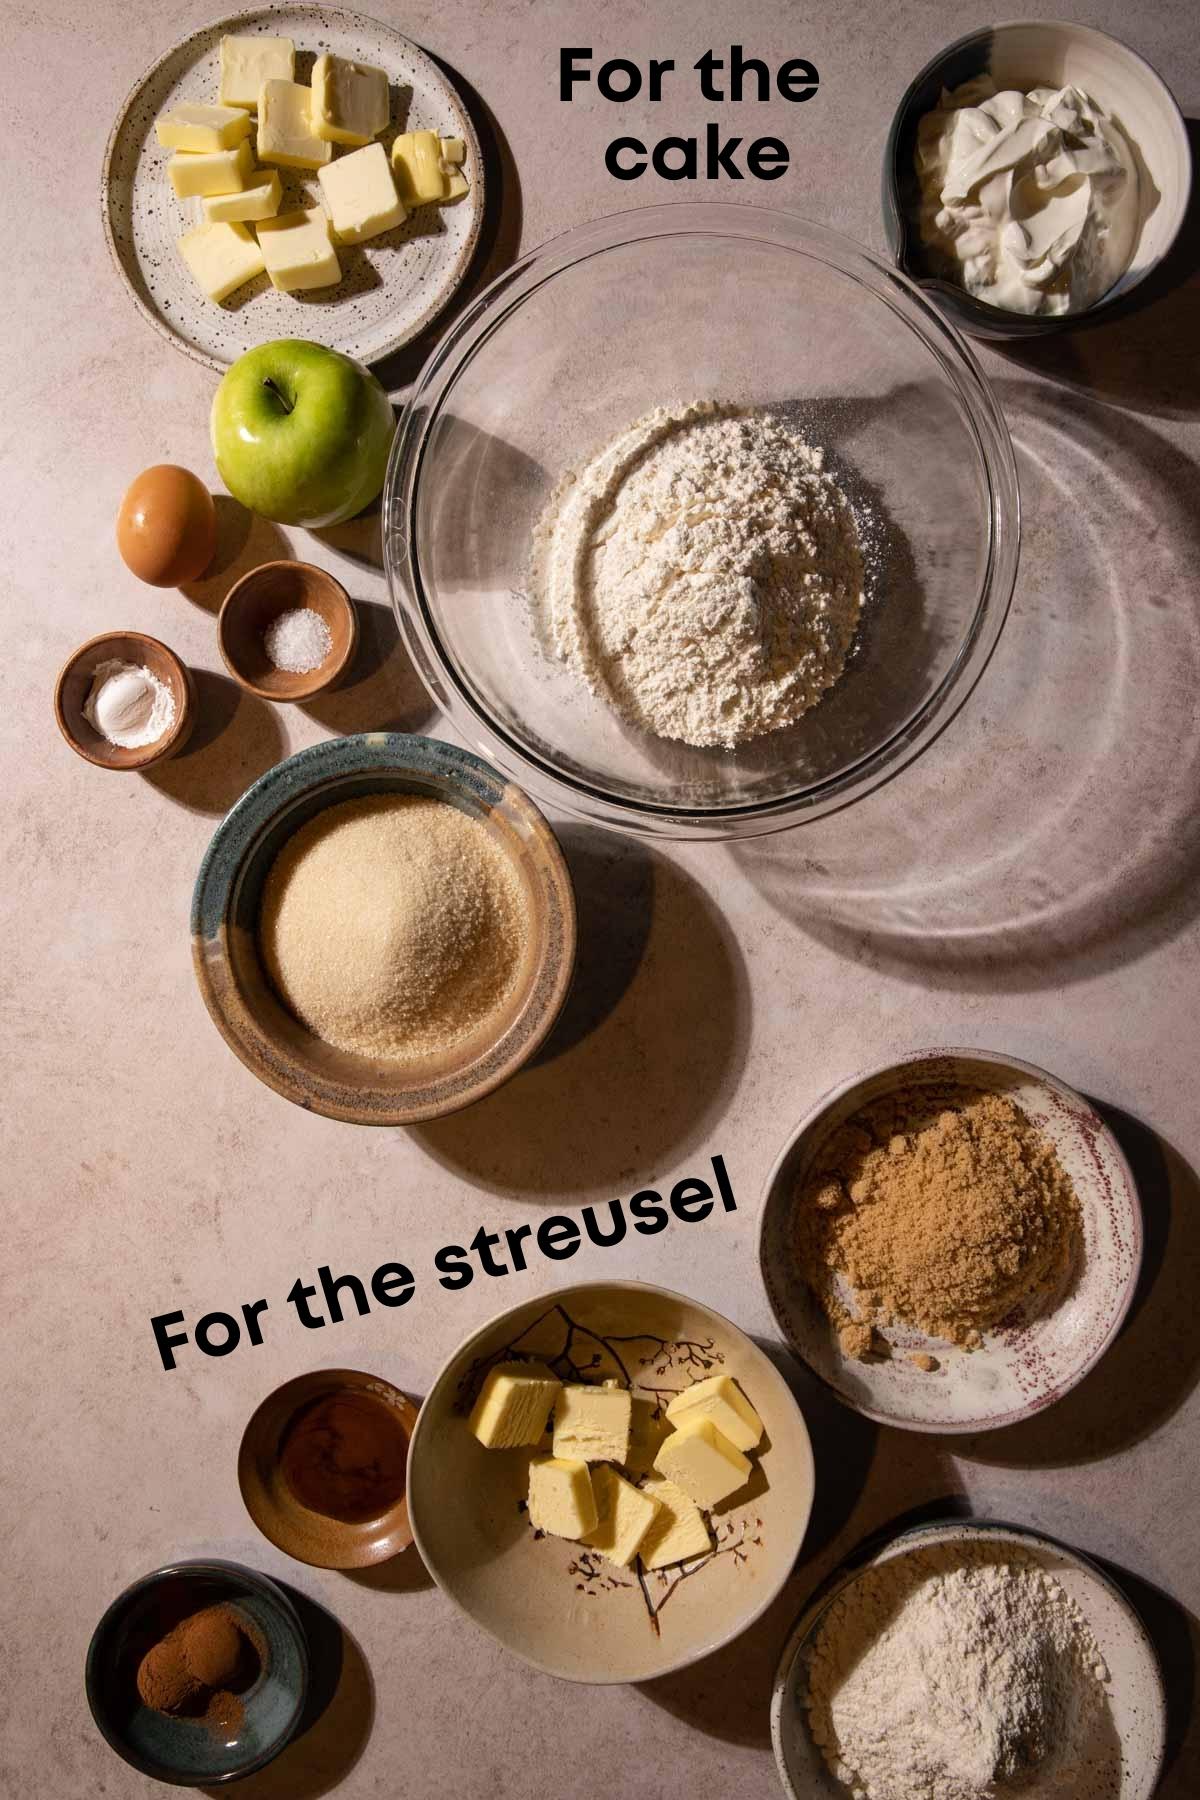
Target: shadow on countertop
<point>1149,359</point>
<point>1051,834</point>
<point>1148,1373</point>
<point>402,1574</point>
<point>237,737</point>
<point>381,691</point>
<point>337,1718</point>
<point>647,1050</point>
<point>244,542</point>
<point>499,238</point>
<point>1175,1635</point>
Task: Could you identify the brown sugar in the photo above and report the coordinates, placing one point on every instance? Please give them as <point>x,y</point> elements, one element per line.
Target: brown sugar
<point>936,1208</point>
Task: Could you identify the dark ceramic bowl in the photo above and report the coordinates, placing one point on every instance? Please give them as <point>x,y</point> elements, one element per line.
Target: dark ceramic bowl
<point>186,1752</point>
<point>256,1025</point>
<point>1036,54</point>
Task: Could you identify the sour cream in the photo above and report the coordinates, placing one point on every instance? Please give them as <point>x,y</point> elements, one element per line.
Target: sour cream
<point>1031,198</point>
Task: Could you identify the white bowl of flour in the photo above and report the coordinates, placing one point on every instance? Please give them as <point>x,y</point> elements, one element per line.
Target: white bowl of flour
<point>969,1661</point>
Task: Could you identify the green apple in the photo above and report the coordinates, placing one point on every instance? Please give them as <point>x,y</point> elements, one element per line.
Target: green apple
<point>300,433</point>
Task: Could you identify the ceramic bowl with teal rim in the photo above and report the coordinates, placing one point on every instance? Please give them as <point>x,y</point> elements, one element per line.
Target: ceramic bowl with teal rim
<point>254,1022</point>
<point>1038,53</point>
<point>187,1752</point>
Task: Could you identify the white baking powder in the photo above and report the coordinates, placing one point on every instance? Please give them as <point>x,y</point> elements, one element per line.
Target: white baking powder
<point>958,1674</point>
<point>702,574</point>
<point>128,705</point>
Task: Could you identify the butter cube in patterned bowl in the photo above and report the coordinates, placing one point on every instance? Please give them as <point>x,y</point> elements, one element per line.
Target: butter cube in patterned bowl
<point>580,1396</point>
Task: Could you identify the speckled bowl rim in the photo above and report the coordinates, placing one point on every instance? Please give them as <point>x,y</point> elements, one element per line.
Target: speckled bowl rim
<point>879,1547</point>
<point>162,748</point>
<point>1132,1213</point>
<point>979,318</point>
<point>218,1568</point>
<point>426,1423</point>
<point>316,681</point>
<point>230,24</point>
<point>375,1540</point>
<point>327,763</point>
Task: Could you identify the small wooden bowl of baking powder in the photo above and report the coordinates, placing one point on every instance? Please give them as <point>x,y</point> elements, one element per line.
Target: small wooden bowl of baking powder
<point>75,684</point>
<point>256,604</point>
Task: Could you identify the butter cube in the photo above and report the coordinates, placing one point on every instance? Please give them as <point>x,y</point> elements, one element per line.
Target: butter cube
<point>202,127</point>
<point>417,165</point>
<point>593,1423</point>
<point>453,150</point>
<point>702,1461</point>
<point>647,1431</point>
<point>720,1399</point>
<point>350,103</point>
<point>515,1400</point>
<point>561,1500</point>
<point>246,62</point>
<point>261,201</point>
<point>221,257</point>
<point>298,250</point>
<point>624,1516</point>
<point>285,128</point>
<point>360,195</point>
<point>210,171</point>
<point>677,1532</point>
<point>457,186</point>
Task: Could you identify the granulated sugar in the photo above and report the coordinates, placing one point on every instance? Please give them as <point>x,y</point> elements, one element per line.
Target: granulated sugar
<point>299,640</point>
<point>702,574</point>
<point>393,926</point>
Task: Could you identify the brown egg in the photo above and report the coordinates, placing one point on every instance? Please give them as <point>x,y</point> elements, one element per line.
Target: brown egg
<point>167,526</point>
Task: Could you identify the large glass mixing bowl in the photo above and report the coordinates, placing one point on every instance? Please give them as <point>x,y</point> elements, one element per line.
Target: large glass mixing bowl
<point>678,303</point>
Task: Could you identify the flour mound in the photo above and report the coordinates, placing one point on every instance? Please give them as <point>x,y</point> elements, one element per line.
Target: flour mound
<point>943,1675</point>
<point>702,574</point>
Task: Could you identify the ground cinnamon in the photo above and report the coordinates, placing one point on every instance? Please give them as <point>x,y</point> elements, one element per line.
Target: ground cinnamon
<point>201,1668</point>
<point>344,1455</point>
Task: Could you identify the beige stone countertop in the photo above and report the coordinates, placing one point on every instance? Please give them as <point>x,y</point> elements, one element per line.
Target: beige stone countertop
<point>1031,885</point>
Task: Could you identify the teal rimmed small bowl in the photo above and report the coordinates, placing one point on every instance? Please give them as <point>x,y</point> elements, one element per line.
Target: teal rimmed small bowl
<point>186,1752</point>
<point>252,1019</point>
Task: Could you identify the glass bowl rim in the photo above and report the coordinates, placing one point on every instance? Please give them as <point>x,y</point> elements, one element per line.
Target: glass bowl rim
<point>982,416</point>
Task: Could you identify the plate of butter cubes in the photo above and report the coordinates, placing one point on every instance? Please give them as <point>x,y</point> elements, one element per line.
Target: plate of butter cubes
<point>611,1479</point>
<point>293,172</point>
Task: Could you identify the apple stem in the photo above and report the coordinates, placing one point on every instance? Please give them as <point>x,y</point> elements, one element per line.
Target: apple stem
<point>279,394</point>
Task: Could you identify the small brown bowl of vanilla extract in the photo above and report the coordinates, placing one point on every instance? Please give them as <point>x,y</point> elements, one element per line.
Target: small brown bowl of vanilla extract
<point>322,1468</point>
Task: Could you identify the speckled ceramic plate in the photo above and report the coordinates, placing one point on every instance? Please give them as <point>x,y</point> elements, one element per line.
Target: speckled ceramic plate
<point>273,1044</point>
<point>1131,1755</point>
<point>391,287</point>
<point>1037,1353</point>
<point>560,1607</point>
<point>185,1752</point>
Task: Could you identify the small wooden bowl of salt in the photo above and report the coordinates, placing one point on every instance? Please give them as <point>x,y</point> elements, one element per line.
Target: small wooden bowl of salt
<point>287,631</point>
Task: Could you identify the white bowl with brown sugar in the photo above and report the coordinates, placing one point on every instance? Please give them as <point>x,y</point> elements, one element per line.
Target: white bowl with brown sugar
<point>951,1241</point>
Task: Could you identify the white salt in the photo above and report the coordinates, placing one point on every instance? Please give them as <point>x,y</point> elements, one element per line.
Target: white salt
<point>298,641</point>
